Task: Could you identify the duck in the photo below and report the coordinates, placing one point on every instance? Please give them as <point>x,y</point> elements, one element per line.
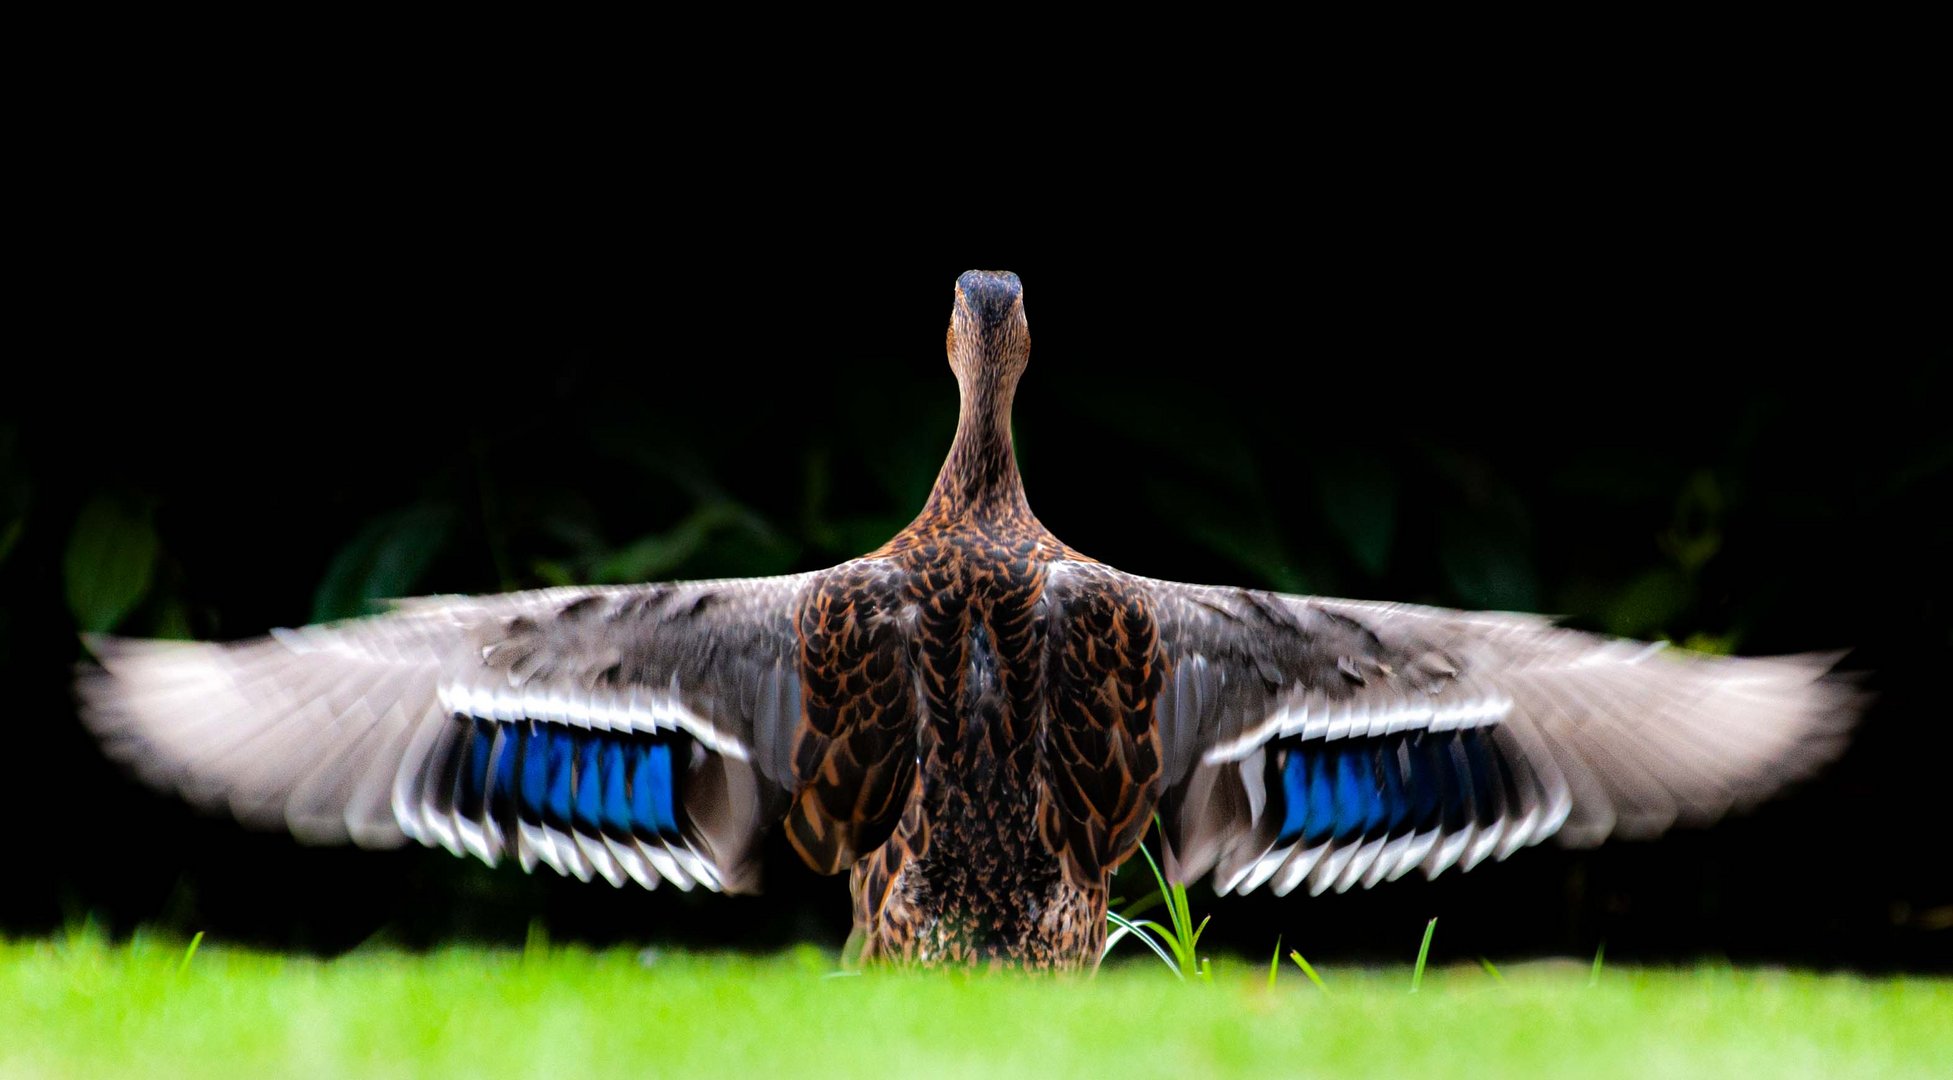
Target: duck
<point>975,722</point>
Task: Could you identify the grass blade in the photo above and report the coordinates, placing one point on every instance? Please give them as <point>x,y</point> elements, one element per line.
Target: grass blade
<point>1593,978</point>
<point>1118,933</point>
<point>1491,970</point>
<point>1176,897</point>
<point>1157,876</point>
<point>190,953</point>
<point>1183,937</point>
<point>1309,971</point>
<point>1135,929</point>
<point>1171,941</point>
<point>1424,950</point>
<point>1274,961</point>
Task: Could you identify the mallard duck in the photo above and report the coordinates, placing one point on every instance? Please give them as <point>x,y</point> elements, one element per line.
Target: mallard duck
<point>975,721</point>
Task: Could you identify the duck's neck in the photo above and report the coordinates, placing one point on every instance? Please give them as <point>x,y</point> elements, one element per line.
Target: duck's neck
<point>979,479</point>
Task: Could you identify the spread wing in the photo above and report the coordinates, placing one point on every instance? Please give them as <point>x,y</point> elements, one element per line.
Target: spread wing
<point>633,733</point>
<point>1347,743</point>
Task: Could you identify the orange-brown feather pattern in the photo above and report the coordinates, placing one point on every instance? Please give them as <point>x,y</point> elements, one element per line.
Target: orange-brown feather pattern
<point>971,874</point>
<point>1099,746</point>
<point>855,754</point>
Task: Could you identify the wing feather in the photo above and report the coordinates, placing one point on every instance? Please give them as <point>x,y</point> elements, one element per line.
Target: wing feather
<point>366,731</point>
<point>1566,734</point>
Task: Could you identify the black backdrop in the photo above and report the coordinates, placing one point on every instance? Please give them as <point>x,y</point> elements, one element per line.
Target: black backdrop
<point>1665,417</point>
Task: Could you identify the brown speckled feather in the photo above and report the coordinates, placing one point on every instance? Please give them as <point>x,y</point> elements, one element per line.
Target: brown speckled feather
<point>854,756</point>
<point>975,721</point>
<point>1099,747</point>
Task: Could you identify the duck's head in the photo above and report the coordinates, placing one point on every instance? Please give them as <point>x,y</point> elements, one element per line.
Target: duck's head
<point>989,342</point>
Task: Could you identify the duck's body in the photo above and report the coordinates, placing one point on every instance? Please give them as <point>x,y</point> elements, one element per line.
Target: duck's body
<point>975,720</point>
<point>1035,755</point>
<point>1012,642</point>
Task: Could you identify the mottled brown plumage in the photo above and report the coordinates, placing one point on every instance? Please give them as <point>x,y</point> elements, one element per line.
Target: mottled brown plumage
<point>975,721</point>
<point>1036,754</point>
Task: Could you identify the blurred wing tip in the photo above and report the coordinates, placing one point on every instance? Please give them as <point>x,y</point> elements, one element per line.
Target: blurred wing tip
<point>1838,698</point>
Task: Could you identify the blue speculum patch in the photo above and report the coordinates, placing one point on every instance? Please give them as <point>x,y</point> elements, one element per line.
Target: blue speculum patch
<point>1391,785</point>
<point>620,783</point>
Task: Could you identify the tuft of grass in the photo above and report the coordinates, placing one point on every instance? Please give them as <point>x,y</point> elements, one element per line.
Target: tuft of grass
<point>1182,936</point>
<point>1423,951</point>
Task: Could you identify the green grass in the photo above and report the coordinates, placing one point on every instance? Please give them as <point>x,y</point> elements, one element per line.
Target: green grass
<point>1177,945</point>
<point>1423,952</point>
<point>83,1007</point>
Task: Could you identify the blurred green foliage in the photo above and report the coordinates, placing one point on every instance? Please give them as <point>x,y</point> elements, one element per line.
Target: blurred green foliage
<point>110,560</point>
<point>386,558</point>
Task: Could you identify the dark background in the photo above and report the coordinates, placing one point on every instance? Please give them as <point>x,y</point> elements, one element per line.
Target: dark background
<point>1685,410</point>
